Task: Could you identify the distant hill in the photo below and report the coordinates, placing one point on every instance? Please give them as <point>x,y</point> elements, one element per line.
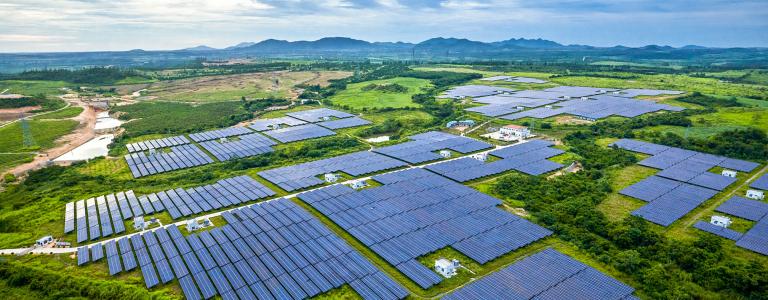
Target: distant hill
<point>528,43</point>
<point>241,45</point>
<point>199,48</point>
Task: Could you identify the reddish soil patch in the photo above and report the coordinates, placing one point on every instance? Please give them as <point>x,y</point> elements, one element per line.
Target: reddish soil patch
<point>10,114</point>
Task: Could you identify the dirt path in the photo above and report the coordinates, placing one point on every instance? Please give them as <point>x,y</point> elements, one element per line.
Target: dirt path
<point>82,134</point>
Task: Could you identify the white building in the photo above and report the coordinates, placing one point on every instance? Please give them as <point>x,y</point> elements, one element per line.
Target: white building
<point>445,153</point>
<point>729,173</point>
<point>43,241</point>
<point>518,131</point>
<point>721,221</point>
<point>447,268</point>
<point>331,178</point>
<point>358,184</point>
<point>755,194</point>
<point>193,225</point>
<point>480,156</point>
<point>139,224</point>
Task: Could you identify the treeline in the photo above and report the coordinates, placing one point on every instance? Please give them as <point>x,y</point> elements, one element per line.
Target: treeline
<point>178,118</point>
<point>707,101</point>
<point>97,75</point>
<point>45,103</point>
<point>60,285</point>
<point>386,88</point>
<point>663,268</point>
<point>749,143</point>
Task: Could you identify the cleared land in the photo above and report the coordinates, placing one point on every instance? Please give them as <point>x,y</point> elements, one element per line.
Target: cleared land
<point>724,120</point>
<point>373,94</point>
<point>233,87</point>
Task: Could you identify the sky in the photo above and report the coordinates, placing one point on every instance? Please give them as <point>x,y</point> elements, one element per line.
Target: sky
<point>94,25</point>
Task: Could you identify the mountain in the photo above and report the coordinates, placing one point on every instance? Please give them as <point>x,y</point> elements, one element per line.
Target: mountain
<point>694,47</point>
<point>199,48</point>
<point>452,44</point>
<point>528,43</point>
<point>240,45</point>
<point>324,44</point>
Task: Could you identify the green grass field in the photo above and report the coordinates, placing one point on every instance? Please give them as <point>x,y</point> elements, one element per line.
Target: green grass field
<point>14,159</point>
<point>724,119</point>
<point>356,98</point>
<point>69,112</point>
<point>44,133</point>
<point>32,87</point>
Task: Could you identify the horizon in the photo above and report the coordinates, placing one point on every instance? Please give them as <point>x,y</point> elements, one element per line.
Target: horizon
<point>86,26</point>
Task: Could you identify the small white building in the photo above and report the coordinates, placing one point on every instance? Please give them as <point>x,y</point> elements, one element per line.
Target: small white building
<point>518,131</point>
<point>721,221</point>
<point>755,194</point>
<point>139,223</point>
<point>195,224</point>
<point>729,173</point>
<point>273,126</point>
<point>446,267</point>
<point>43,241</point>
<point>331,178</point>
<point>358,184</point>
<point>445,153</point>
<point>584,98</point>
<point>480,156</point>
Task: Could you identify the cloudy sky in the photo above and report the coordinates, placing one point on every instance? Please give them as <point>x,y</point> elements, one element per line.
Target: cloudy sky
<point>88,25</point>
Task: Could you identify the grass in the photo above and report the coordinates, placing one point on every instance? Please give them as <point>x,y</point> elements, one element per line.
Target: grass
<point>725,119</point>
<point>69,112</point>
<point>356,98</point>
<point>43,132</point>
<point>616,207</point>
<point>166,117</point>
<point>32,87</point>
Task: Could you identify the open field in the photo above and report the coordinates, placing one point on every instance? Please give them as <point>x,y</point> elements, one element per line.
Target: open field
<point>166,117</point>
<point>69,112</point>
<point>233,87</point>
<point>724,120</point>
<point>357,97</point>
<point>33,87</point>
<point>44,133</point>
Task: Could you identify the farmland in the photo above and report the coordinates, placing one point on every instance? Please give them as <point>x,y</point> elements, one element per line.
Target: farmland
<point>234,87</point>
<point>373,94</point>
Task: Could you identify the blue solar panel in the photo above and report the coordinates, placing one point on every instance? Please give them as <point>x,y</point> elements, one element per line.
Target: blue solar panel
<point>675,204</point>
<point>189,288</point>
<point>717,230</point>
<point>421,148</point>
<point>97,252</point>
<point>150,277</point>
<point>183,156</point>
<point>317,115</point>
<point>298,133</point>
<point>344,123</point>
<point>204,283</point>
<point>761,183</point>
<point>756,239</point>
<point>752,210</point>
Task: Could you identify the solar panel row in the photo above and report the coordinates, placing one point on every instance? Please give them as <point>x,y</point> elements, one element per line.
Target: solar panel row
<point>547,274</point>
<point>305,175</point>
<point>179,157</point>
<point>421,148</point>
<point>673,205</point>
<point>761,183</point>
<point>274,123</point>
<point>272,250</point>
<point>717,230</point>
<point>344,123</point>
<point>756,239</point>
<point>474,91</point>
<point>665,156</point>
<point>219,133</point>
<point>103,216</point>
<point>157,143</point>
<point>244,146</point>
<point>416,212</point>
<point>752,210</point>
<point>529,159</point>
<point>320,114</point>
<point>593,109</point>
<point>299,133</point>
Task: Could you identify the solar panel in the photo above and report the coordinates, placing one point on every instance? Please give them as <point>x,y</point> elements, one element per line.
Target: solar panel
<point>761,183</point>
<point>422,146</point>
<point>595,107</point>
<point>474,91</point>
<point>744,208</point>
<point>158,143</point>
<point>183,156</point>
<point>317,115</point>
<point>717,230</point>
<point>219,133</point>
<point>756,239</point>
<point>267,124</point>
<point>298,133</point>
<point>244,146</point>
<point>344,123</point>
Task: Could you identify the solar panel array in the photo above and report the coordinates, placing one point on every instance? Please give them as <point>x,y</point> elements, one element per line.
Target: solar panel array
<point>158,143</point>
<point>320,114</point>
<point>267,124</point>
<point>718,230</point>
<point>103,216</point>
<point>298,133</point>
<point>526,80</point>
<point>495,110</point>
<point>474,91</point>
<point>578,91</point>
<point>514,100</point>
<point>496,78</point>
<point>529,157</point>
<point>683,183</point>
<point>761,183</point>
<point>600,107</point>
<point>305,175</point>
<point>272,250</point>
<point>184,156</point>
<point>744,208</point>
<point>417,212</point>
<point>422,146</point>
<point>244,146</point>
<point>344,123</point>
<point>631,93</point>
<point>547,274</point>
<point>756,238</point>
<point>219,133</point>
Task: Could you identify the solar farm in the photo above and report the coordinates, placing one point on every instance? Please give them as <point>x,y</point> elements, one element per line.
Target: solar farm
<point>584,102</point>
<point>416,212</point>
<point>422,147</point>
<point>529,158</point>
<point>178,152</point>
<point>548,274</point>
<point>273,250</point>
<point>756,238</point>
<point>683,183</point>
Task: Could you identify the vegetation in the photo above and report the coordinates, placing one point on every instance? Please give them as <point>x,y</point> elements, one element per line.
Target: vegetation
<point>69,112</point>
<point>44,133</point>
<point>176,118</point>
<point>379,94</point>
<point>97,75</point>
<point>46,104</point>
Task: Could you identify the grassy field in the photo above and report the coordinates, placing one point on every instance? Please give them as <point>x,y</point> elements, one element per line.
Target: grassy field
<point>32,87</point>
<point>724,119</point>
<point>233,87</point>
<point>44,133</point>
<point>166,117</point>
<point>69,112</point>
<point>616,207</point>
<point>357,98</point>
<point>14,159</point>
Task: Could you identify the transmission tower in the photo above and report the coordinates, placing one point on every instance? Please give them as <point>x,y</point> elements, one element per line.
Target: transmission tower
<point>26,133</point>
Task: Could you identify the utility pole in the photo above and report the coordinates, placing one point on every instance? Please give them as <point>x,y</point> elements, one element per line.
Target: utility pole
<point>26,133</point>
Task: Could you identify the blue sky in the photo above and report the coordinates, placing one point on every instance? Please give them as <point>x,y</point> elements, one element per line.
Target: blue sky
<point>89,25</point>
